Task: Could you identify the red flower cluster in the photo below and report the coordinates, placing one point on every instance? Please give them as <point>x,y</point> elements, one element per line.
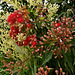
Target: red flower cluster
<point>14,31</point>
<point>33,40</point>
<point>26,41</point>
<point>15,16</point>
<point>19,23</point>
<point>20,20</point>
<point>57,24</point>
<point>19,43</point>
<point>28,25</point>
<point>30,40</point>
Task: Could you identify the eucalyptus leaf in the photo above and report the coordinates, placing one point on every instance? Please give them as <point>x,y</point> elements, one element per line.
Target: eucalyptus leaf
<point>39,57</point>
<point>34,69</point>
<point>74,62</point>
<point>48,58</point>
<point>68,61</point>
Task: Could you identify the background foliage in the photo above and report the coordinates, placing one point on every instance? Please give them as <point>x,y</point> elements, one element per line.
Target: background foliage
<point>67,8</point>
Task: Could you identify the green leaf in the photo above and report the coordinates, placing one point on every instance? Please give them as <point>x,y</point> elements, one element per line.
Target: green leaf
<point>18,48</point>
<point>31,68</point>
<point>73,42</point>
<point>1,57</point>
<point>74,62</point>
<point>42,18</point>
<point>68,61</point>
<point>57,1</point>
<point>15,68</point>
<point>32,15</point>
<point>67,69</point>
<point>38,24</point>
<point>39,57</point>
<point>2,70</point>
<point>48,58</point>
<point>16,73</point>
<point>34,69</point>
